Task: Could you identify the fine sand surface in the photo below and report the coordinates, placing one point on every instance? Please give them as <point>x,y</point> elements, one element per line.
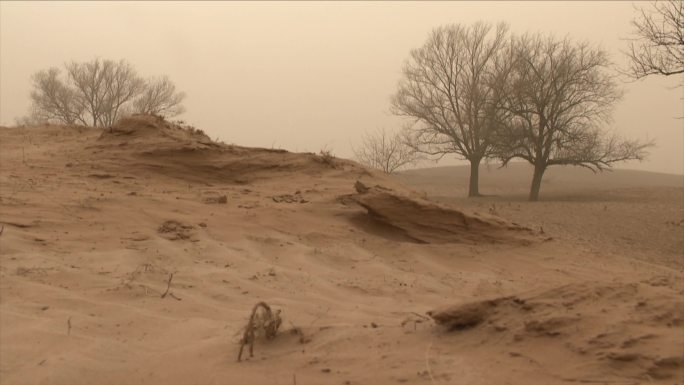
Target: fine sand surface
<point>94,224</point>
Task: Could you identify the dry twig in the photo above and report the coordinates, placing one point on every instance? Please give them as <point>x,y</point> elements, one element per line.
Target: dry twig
<point>174,297</point>
<point>168,285</point>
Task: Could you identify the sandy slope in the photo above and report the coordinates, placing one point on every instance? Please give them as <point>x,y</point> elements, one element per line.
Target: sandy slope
<point>87,249</point>
<point>624,212</point>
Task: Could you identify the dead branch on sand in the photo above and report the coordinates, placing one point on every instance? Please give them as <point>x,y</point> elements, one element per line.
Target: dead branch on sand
<point>262,319</point>
<point>168,285</point>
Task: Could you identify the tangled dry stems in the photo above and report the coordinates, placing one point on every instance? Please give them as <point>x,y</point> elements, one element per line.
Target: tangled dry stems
<point>264,321</point>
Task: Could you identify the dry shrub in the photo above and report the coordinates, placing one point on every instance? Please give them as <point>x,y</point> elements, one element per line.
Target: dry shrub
<point>326,157</point>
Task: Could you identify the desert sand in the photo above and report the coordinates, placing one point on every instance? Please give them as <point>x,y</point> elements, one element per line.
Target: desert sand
<point>379,280</point>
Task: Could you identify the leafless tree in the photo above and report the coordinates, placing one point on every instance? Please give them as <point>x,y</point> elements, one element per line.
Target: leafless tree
<point>87,82</point>
<point>556,99</point>
<point>658,48</point>
<point>447,90</point>
<point>385,151</point>
<point>99,92</point>
<point>52,100</point>
<point>121,86</point>
<point>159,97</point>
<point>104,87</point>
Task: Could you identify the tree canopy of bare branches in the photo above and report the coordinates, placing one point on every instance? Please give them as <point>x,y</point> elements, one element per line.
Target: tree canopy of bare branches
<point>385,151</point>
<point>558,95</point>
<point>103,87</point>
<point>658,48</point>
<point>159,97</point>
<point>98,93</point>
<point>52,100</point>
<point>447,89</point>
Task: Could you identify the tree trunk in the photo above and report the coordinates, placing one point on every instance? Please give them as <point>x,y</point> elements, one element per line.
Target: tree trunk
<point>536,181</point>
<point>474,189</point>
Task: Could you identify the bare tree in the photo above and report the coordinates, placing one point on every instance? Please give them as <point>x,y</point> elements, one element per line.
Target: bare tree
<point>159,97</point>
<point>103,87</point>
<point>557,97</point>
<point>385,151</point>
<point>121,86</point>
<point>99,92</point>
<point>447,90</point>
<point>659,45</point>
<point>87,81</point>
<point>52,100</point>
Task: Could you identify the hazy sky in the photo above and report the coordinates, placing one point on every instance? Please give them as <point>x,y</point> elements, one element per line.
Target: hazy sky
<point>303,75</point>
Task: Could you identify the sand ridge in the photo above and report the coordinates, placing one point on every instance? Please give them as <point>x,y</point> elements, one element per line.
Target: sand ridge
<point>93,229</point>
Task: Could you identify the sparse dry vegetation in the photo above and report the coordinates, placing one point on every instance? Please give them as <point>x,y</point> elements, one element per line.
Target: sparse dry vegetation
<point>262,322</point>
<point>326,157</point>
<point>386,151</point>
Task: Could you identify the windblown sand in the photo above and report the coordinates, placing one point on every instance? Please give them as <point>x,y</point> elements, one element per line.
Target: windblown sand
<point>584,287</point>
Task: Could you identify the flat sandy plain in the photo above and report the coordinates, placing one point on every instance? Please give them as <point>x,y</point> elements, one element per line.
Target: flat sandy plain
<point>585,287</point>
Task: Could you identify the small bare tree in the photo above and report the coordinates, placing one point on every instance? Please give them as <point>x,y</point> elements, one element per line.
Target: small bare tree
<point>104,87</point>
<point>159,97</point>
<point>447,90</point>
<point>658,48</point>
<point>557,97</point>
<point>385,151</point>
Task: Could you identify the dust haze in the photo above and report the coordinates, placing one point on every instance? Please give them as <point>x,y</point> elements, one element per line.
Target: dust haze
<point>304,76</point>
<point>229,193</point>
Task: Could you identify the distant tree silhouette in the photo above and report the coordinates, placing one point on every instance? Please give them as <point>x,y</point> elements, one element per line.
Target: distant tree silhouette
<point>52,100</point>
<point>385,151</point>
<point>98,93</point>
<point>447,89</point>
<point>555,100</point>
<point>159,97</point>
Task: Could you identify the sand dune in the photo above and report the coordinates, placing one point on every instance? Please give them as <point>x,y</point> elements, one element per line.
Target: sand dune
<point>96,222</point>
<point>428,222</point>
<point>628,336</point>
